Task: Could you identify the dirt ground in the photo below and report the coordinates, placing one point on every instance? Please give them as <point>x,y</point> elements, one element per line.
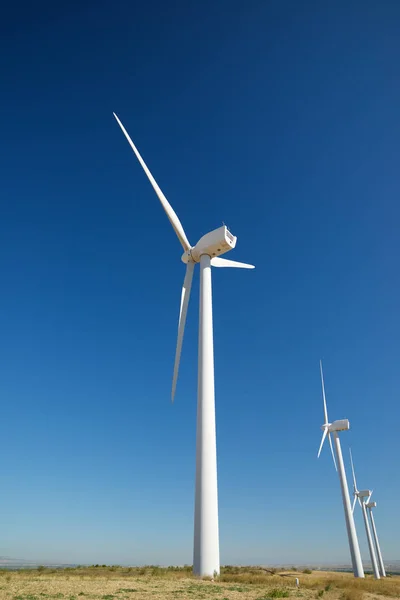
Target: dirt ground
<point>159,584</point>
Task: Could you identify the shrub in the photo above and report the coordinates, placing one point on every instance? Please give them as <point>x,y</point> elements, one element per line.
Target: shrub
<point>354,594</point>
<point>278,593</point>
<point>307,571</point>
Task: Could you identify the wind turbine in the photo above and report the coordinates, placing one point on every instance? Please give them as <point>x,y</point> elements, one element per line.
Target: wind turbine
<point>363,498</point>
<point>334,428</point>
<point>370,506</point>
<point>207,253</point>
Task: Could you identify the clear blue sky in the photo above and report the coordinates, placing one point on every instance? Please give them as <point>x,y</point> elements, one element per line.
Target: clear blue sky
<point>280,119</point>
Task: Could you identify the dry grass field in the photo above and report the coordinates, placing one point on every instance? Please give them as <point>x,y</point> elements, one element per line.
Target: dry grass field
<point>155,583</point>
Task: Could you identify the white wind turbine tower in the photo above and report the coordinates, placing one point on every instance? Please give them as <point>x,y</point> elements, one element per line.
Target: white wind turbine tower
<point>370,506</point>
<point>207,253</point>
<point>335,427</point>
<point>363,498</point>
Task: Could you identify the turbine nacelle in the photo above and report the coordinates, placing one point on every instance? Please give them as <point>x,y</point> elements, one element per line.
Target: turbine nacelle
<point>371,505</point>
<point>364,493</point>
<point>216,242</point>
<point>341,425</point>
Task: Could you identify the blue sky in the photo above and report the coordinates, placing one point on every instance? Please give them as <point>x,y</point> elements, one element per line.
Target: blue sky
<point>280,119</point>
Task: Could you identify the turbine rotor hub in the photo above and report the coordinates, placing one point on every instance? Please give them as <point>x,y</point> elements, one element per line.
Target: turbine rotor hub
<point>187,257</point>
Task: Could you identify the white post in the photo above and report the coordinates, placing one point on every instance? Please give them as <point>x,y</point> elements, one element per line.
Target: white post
<point>348,513</point>
<point>378,548</point>
<point>370,545</point>
<point>206,538</point>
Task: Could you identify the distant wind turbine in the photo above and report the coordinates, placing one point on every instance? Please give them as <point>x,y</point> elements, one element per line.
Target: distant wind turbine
<point>206,252</point>
<point>335,427</point>
<point>370,506</point>
<point>363,498</point>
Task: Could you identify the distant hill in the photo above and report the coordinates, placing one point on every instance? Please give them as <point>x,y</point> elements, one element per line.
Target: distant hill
<point>392,566</point>
<point>20,563</point>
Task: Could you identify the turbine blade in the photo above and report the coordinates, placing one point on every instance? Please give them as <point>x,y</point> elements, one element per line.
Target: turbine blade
<point>354,503</point>
<point>223,262</point>
<point>171,214</point>
<point>333,454</point>
<point>369,497</point>
<point>354,475</point>
<point>323,393</point>
<point>187,284</point>
<point>322,441</point>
